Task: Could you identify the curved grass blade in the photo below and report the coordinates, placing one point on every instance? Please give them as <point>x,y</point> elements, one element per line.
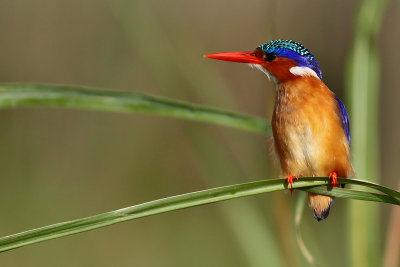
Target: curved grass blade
<point>181,202</point>
<point>353,194</point>
<point>394,195</point>
<point>20,95</point>
<point>300,204</point>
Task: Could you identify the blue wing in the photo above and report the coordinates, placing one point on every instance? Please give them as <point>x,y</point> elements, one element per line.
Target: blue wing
<point>345,119</point>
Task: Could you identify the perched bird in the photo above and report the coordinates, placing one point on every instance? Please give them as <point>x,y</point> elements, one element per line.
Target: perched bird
<point>310,124</point>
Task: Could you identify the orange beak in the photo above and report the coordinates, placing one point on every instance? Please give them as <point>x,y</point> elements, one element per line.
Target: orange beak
<point>242,57</point>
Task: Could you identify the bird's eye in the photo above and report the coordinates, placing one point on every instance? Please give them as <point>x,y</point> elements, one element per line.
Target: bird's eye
<point>269,56</point>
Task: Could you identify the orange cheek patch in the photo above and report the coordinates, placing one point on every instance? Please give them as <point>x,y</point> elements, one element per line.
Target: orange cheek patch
<point>280,68</point>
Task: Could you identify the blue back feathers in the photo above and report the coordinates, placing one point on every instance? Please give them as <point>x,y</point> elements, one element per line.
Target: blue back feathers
<point>345,119</point>
<point>293,50</point>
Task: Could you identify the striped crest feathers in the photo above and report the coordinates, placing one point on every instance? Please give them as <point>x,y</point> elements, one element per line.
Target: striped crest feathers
<point>288,44</point>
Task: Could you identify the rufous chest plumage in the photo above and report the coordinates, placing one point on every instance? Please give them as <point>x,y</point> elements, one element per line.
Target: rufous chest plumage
<point>308,134</point>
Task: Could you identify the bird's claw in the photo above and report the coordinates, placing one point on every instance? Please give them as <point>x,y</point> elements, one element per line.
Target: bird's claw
<point>333,176</point>
<point>290,181</point>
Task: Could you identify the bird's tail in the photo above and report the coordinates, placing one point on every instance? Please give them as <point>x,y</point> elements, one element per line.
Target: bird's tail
<point>320,205</point>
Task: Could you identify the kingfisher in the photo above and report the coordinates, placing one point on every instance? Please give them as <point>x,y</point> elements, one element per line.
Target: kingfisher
<point>310,125</point>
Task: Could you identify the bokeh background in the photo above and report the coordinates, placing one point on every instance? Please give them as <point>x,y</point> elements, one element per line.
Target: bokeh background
<point>62,164</point>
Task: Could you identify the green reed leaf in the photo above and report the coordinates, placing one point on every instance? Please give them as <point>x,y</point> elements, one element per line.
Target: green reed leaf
<point>194,199</point>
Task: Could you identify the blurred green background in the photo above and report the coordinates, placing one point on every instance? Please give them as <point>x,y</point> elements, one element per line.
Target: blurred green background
<point>60,164</point>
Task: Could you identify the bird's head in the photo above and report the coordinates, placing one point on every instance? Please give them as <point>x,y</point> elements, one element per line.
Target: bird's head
<point>282,59</point>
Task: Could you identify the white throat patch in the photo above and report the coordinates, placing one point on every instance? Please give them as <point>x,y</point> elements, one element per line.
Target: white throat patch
<point>303,71</point>
<point>259,67</point>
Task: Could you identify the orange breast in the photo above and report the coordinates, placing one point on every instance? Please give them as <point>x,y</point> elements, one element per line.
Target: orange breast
<point>308,135</point>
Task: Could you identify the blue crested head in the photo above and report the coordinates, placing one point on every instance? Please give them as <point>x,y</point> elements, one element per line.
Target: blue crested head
<point>292,50</point>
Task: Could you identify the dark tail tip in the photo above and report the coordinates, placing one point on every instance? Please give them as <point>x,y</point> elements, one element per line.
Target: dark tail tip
<point>321,216</point>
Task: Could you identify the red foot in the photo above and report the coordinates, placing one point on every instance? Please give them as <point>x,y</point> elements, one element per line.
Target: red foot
<point>333,176</point>
<point>290,181</point>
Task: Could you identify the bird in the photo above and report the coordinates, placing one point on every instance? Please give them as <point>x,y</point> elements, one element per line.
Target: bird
<point>310,124</point>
